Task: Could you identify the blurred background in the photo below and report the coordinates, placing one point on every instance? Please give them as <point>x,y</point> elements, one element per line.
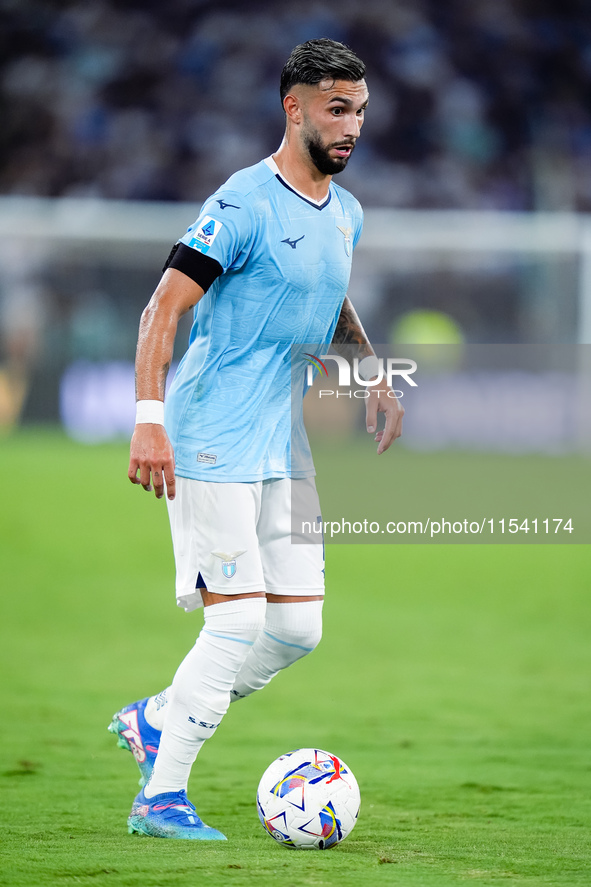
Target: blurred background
<point>119,117</point>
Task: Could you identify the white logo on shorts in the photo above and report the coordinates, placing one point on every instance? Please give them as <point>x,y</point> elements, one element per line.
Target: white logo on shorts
<point>228,561</point>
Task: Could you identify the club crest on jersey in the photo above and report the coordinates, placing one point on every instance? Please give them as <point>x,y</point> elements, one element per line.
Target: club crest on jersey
<point>228,561</point>
<point>346,232</point>
<point>205,234</point>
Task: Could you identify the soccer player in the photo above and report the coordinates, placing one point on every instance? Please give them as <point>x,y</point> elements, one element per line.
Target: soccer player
<point>266,266</point>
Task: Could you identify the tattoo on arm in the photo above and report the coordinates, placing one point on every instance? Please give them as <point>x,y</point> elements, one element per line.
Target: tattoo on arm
<point>349,331</point>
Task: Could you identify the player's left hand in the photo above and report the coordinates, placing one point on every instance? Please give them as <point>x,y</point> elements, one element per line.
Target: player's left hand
<point>383,400</point>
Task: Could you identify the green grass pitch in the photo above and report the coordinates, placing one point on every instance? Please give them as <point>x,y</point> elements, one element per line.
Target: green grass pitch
<point>454,680</point>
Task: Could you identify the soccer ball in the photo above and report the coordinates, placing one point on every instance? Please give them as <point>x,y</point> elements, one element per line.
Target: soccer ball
<point>308,800</point>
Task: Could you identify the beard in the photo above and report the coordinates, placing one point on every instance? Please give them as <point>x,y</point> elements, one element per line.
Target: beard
<point>324,163</point>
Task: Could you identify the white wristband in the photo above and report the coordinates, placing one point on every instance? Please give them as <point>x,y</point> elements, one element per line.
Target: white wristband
<point>151,411</point>
<point>369,367</point>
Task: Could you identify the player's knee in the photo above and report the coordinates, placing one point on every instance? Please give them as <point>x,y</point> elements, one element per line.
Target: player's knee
<point>295,628</point>
<point>303,637</point>
<point>295,644</point>
<point>240,619</point>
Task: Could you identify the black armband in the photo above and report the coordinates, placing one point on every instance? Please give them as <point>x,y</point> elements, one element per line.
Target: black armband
<point>194,264</point>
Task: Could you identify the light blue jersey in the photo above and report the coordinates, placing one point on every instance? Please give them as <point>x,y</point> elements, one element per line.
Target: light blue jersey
<point>286,262</point>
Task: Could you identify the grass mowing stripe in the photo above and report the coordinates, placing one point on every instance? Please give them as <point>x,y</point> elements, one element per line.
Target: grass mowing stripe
<point>452,679</point>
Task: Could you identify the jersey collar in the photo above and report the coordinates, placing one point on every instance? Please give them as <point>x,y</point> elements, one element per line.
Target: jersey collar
<point>318,204</point>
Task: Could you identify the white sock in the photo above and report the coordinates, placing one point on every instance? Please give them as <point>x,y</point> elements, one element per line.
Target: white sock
<point>291,631</point>
<point>201,688</point>
<point>303,622</point>
<point>155,710</point>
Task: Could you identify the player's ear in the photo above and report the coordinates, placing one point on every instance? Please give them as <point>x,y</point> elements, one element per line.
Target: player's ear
<point>293,108</point>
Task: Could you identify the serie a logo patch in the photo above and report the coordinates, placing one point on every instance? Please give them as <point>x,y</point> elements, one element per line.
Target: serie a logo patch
<point>205,234</point>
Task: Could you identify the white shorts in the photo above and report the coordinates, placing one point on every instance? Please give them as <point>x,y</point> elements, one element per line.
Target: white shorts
<point>232,538</point>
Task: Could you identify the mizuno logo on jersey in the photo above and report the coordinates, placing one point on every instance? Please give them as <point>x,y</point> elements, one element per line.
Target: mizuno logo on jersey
<point>224,205</point>
<point>293,243</point>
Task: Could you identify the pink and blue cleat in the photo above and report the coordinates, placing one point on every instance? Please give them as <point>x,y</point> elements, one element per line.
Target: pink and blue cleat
<point>137,736</point>
<point>169,815</point>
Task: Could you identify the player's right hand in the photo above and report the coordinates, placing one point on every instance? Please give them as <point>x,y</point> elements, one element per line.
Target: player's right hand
<point>152,455</point>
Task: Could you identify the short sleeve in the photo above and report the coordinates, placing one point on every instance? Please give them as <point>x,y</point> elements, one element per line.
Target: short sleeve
<point>224,230</point>
<point>358,225</point>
